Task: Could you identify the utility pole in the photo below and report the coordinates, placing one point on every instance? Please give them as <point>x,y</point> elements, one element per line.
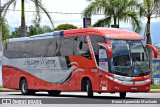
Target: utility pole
<point>0,35</point>
<point>0,46</point>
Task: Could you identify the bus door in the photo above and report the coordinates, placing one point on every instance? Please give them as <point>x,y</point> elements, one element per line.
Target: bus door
<point>103,65</point>
<point>103,61</point>
<point>100,59</point>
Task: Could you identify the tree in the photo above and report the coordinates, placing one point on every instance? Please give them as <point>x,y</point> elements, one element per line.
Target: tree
<point>116,10</point>
<point>4,28</point>
<point>149,9</point>
<point>65,27</point>
<point>36,28</point>
<point>46,29</point>
<point>16,33</point>
<point>33,29</point>
<point>38,7</point>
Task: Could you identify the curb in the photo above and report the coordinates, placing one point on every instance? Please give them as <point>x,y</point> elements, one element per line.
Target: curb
<point>154,91</point>
<point>8,90</point>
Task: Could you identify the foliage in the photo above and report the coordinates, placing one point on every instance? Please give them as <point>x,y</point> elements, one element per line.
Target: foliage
<point>65,27</point>
<point>16,33</point>
<point>154,86</point>
<point>114,10</point>
<point>1,86</point>
<point>38,7</point>
<point>36,28</point>
<point>149,9</point>
<point>33,29</point>
<point>4,28</point>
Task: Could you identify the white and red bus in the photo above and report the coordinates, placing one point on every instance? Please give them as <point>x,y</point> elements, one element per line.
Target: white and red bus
<point>88,59</point>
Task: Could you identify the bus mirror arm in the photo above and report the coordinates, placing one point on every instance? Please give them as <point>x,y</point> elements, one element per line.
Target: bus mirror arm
<point>108,49</point>
<point>154,49</point>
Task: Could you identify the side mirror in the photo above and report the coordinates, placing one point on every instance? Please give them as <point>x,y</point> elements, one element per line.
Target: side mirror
<point>109,49</point>
<point>154,49</point>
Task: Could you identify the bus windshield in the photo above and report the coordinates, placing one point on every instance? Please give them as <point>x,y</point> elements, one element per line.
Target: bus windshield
<point>129,58</point>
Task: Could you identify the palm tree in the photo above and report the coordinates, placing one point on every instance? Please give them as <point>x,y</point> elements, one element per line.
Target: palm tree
<point>4,31</point>
<point>116,10</point>
<point>38,7</point>
<point>149,9</point>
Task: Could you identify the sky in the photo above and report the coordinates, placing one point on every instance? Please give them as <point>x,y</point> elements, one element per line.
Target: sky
<point>64,6</point>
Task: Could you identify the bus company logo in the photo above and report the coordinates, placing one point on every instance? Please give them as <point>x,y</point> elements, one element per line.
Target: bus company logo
<point>34,62</point>
<point>6,101</point>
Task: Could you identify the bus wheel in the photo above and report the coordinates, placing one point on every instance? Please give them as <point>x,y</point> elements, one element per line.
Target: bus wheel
<point>122,94</point>
<point>54,93</point>
<point>24,88</point>
<point>89,88</point>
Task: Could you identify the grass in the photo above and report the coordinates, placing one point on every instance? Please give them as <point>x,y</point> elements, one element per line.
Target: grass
<point>153,86</point>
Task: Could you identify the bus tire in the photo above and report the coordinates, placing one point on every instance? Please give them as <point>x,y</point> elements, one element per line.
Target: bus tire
<point>54,92</point>
<point>122,94</point>
<point>89,89</point>
<point>24,88</point>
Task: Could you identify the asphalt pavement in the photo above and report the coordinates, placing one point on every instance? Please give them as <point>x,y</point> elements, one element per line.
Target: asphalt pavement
<point>80,95</point>
<point>70,99</point>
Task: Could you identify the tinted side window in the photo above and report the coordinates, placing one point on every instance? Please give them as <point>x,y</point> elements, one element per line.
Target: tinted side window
<point>73,46</point>
<point>81,47</point>
<point>38,47</point>
<point>66,46</point>
<point>95,40</point>
<point>51,47</point>
<point>59,47</point>
<point>26,48</point>
<point>12,50</point>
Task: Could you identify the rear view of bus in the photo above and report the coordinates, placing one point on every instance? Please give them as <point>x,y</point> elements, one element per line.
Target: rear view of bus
<point>90,59</point>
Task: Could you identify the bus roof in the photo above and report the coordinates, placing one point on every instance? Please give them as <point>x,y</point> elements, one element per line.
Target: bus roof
<point>114,33</point>
<point>106,32</point>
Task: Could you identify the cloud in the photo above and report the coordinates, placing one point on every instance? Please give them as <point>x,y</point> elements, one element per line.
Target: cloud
<point>65,6</point>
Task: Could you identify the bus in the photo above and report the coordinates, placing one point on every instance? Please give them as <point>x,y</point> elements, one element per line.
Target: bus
<point>88,59</point>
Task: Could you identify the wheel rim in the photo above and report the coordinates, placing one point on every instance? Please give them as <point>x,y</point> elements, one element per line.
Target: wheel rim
<point>24,87</point>
<point>87,88</point>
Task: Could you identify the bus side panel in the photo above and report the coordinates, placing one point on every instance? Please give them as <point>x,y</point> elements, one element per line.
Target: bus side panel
<point>9,78</point>
<point>86,68</point>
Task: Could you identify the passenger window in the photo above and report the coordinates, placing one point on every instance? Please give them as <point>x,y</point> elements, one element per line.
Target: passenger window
<point>38,48</point>
<point>51,47</point>
<point>81,47</point>
<point>66,47</point>
<point>94,41</point>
